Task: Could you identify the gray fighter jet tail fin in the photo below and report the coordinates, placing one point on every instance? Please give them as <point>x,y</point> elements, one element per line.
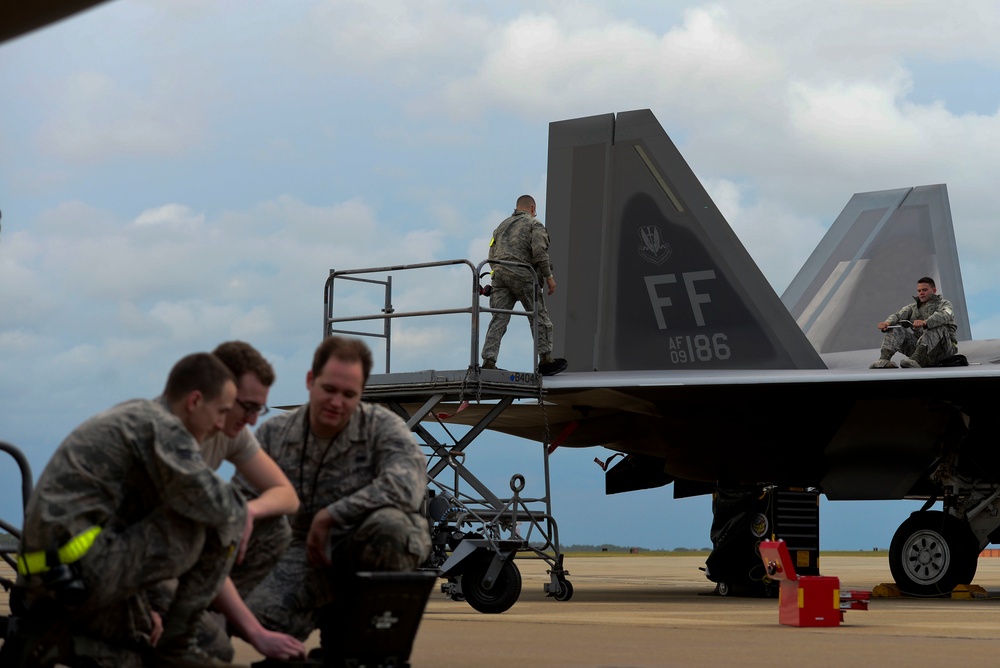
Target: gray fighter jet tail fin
<point>650,274</point>
<point>868,263</point>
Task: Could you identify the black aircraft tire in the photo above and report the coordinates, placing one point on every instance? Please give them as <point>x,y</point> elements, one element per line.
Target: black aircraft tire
<point>501,596</point>
<point>931,553</point>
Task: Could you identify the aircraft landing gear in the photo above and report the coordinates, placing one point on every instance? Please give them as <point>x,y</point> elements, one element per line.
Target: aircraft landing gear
<point>931,553</point>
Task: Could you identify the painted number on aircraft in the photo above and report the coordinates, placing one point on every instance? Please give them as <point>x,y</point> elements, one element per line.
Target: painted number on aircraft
<point>699,348</point>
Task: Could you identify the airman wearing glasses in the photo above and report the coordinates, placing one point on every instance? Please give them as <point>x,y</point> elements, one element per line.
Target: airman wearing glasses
<point>266,524</point>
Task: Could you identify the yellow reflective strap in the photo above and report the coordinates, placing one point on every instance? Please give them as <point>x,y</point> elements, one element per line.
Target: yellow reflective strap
<point>73,550</point>
<point>491,241</point>
<point>78,545</point>
<point>31,563</point>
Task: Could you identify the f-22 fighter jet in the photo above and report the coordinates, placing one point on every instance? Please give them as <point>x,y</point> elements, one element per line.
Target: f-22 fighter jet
<point>683,357</point>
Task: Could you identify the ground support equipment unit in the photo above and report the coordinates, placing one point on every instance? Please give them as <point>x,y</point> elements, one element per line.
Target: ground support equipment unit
<point>373,626</point>
<point>808,600</point>
<point>476,532</point>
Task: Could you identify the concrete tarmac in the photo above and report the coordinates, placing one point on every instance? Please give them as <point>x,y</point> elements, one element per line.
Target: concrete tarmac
<point>636,610</point>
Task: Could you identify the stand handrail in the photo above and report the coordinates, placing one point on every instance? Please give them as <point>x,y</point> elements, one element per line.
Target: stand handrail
<point>388,312</point>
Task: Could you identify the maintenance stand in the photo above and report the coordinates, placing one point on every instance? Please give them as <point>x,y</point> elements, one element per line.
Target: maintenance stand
<point>476,532</point>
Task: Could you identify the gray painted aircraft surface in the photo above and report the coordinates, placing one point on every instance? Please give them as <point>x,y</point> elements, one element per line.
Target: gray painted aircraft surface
<point>867,259</point>
<point>683,357</point>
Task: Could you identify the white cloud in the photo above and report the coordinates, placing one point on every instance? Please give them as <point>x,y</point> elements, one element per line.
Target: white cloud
<point>776,239</point>
<point>25,297</point>
<point>176,216</point>
<point>407,43</point>
<point>91,118</point>
<point>542,69</point>
<point>22,342</point>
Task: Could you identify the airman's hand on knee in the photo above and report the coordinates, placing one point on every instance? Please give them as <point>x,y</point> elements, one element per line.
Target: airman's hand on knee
<point>316,541</point>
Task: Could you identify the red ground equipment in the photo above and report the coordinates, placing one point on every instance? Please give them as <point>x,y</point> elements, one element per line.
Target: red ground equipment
<point>810,600</point>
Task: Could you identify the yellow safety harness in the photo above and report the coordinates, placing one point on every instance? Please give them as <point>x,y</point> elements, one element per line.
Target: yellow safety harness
<point>34,563</point>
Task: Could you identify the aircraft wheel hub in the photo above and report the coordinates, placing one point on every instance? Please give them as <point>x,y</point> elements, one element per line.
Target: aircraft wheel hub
<point>927,556</point>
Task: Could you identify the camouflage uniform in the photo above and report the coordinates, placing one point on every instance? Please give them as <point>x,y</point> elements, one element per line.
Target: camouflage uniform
<point>937,338</point>
<point>371,477</point>
<point>136,472</point>
<point>519,238</point>
<point>269,540</point>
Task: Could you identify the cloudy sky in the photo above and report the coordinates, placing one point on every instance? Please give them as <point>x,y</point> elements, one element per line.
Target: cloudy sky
<point>176,173</point>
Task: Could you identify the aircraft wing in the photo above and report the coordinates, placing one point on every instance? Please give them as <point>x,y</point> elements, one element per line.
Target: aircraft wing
<point>857,434</point>
<point>23,17</point>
